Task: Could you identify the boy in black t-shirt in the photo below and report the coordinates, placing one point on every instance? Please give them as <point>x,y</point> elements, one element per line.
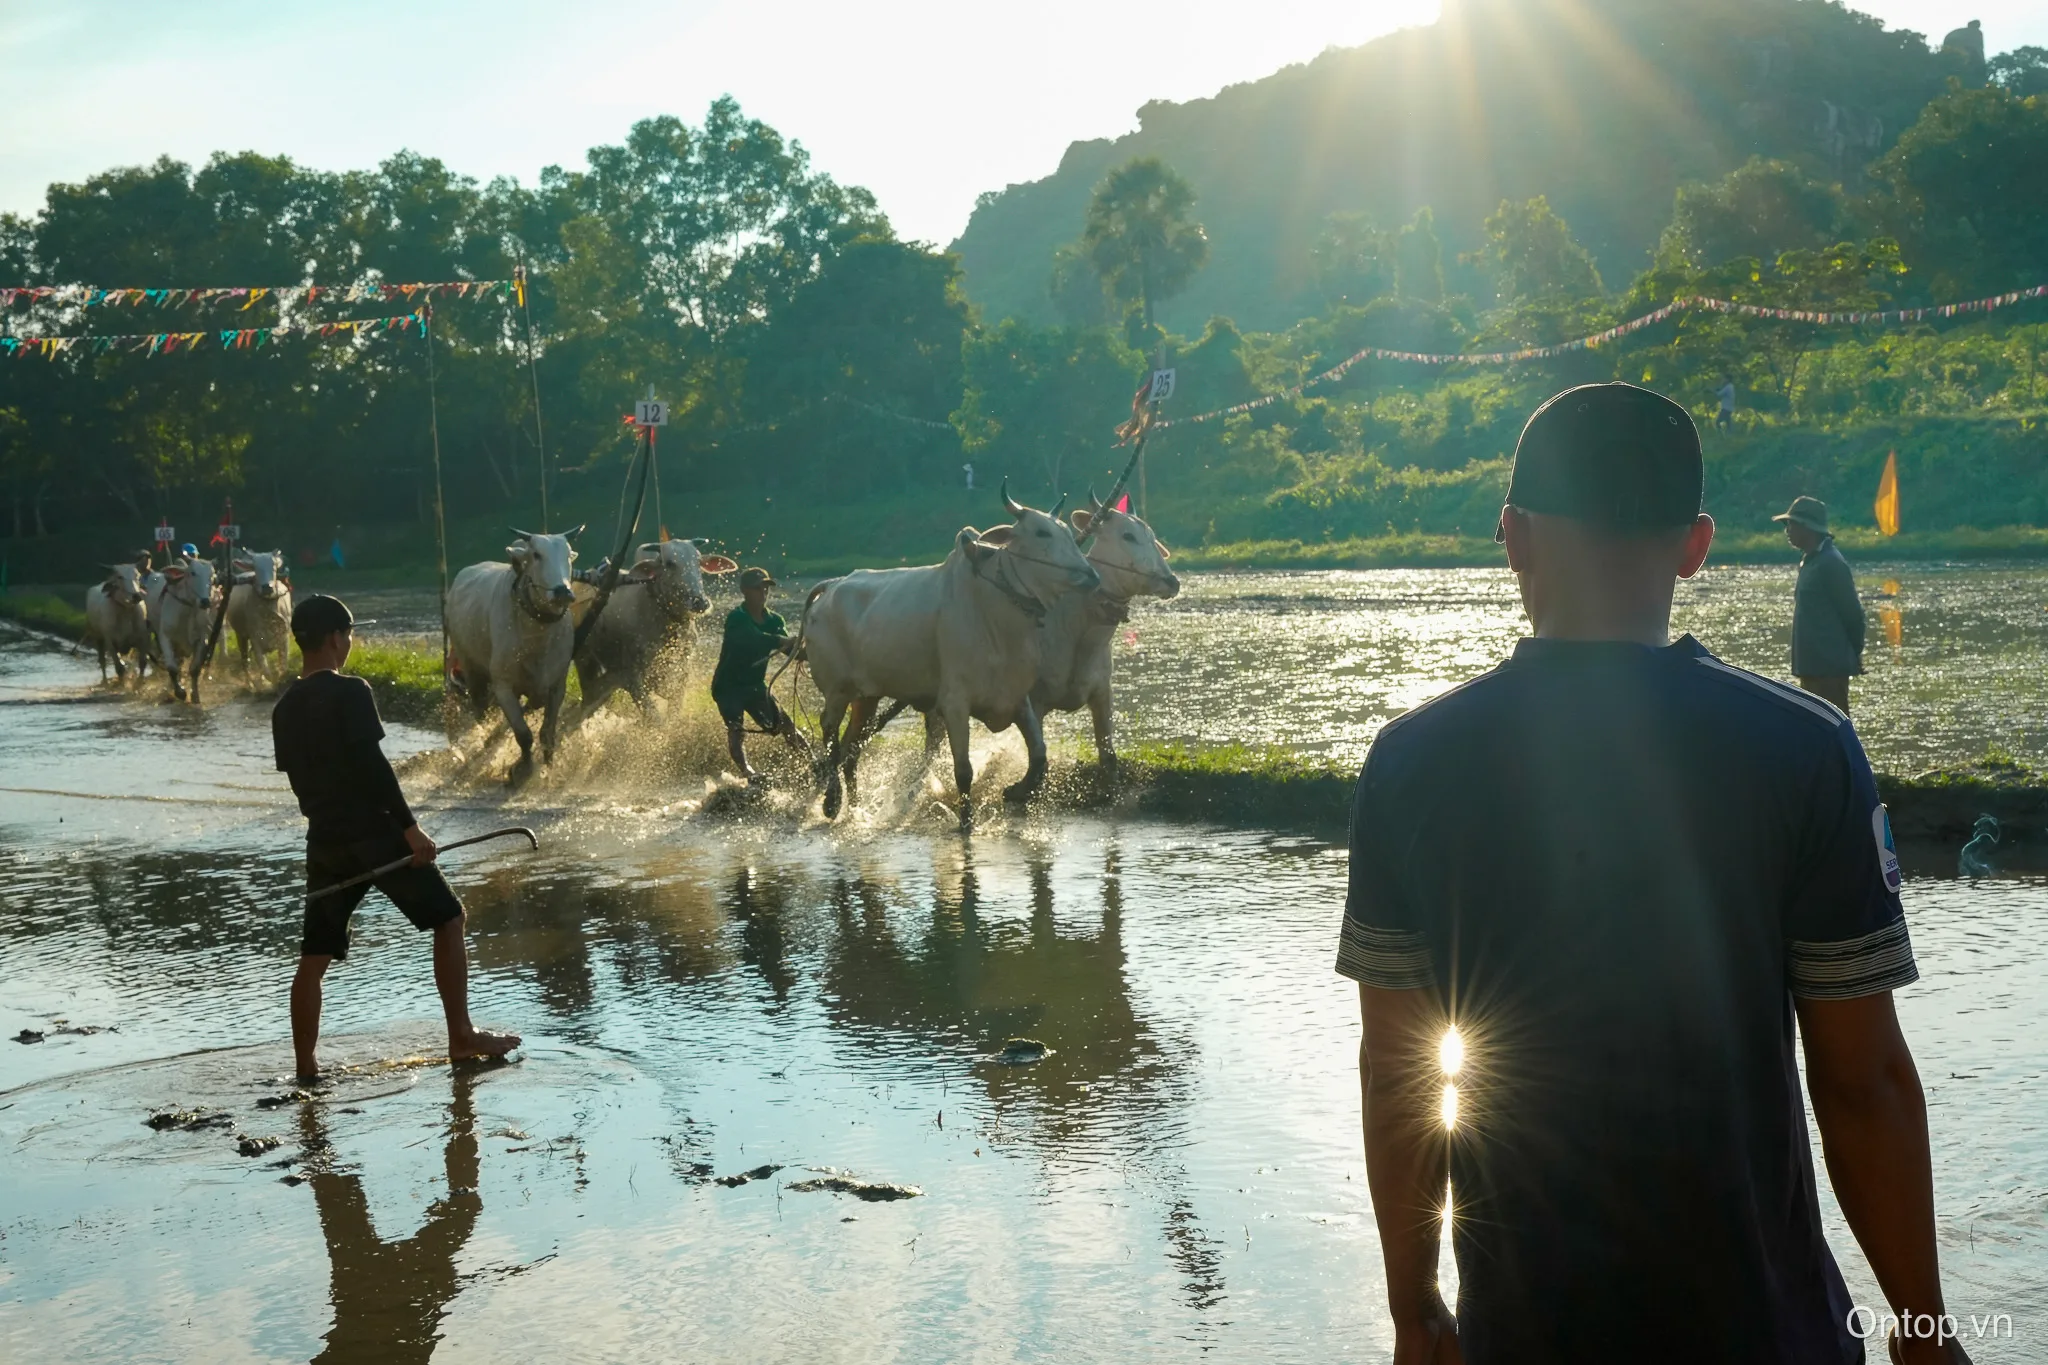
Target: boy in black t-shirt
<point>326,731</point>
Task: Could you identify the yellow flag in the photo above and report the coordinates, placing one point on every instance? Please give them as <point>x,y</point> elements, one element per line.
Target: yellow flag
<point>1888,496</point>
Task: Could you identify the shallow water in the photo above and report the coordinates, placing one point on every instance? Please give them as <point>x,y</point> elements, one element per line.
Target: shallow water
<point>704,996</point>
<point>1319,661</point>
<point>1322,660</point>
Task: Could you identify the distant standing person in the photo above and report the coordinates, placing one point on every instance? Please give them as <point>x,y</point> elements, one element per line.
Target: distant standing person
<point>1725,419</point>
<point>327,732</point>
<point>1620,869</point>
<point>1827,616</point>
<point>739,685</point>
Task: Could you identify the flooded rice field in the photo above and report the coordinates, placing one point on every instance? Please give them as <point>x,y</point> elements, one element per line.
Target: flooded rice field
<point>1957,658</point>
<point>765,1109</point>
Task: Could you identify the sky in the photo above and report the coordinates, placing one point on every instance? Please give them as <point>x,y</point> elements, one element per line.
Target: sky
<point>926,102</point>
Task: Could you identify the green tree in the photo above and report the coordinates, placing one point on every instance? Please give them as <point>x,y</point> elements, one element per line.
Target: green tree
<point>1967,192</point>
<point>873,340</point>
<point>2023,71</point>
<point>1419,259</point>
<point>1140,234</point>
<point>1530,253</point>
<point>1353,260</point>
<point>1761,210</point>
<point>1044,399</point>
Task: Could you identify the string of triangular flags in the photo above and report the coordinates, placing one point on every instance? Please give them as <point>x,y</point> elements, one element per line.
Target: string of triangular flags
<point>226,338</point>
<point>93,296</point>
<point>1677,306</point>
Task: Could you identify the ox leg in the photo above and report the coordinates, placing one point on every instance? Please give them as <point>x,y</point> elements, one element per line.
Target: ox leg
<point>551,719</point>
<point>829,732</point>
<point>198,659</point>
<point>173,671</point>
<point>857,717</point>
<point>1034,749</point>
<point>100,647</point>
<point>508,700</point>
<point>1105,727</point>
<point>963,761</point>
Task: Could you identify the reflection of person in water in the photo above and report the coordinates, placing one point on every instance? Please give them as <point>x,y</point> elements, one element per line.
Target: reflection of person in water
<point>389,1297</point>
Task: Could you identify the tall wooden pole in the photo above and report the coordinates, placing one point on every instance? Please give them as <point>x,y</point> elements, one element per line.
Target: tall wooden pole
<point>440,508</point>
<point>533,374</point>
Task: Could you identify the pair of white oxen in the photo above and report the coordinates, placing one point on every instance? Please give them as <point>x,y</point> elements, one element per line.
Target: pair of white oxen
<point>168,615</point>
<point>1017,621</point>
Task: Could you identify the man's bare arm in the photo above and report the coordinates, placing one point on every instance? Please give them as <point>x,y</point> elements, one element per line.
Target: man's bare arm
<point>1873,1128</point>
<point>1406,1153</point>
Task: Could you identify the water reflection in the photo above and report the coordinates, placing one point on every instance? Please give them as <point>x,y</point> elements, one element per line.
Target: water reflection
<point>390,1295</point>
<point>963,973</point>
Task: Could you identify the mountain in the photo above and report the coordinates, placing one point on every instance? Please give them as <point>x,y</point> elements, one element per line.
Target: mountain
<point>1605,106</point>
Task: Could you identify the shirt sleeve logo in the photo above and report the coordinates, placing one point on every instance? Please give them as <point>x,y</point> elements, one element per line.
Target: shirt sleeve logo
<point>1887,851</point>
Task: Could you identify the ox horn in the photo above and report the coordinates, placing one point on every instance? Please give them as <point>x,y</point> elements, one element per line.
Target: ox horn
<point>1055,513</point>
<point>571,535</point>
<point>523,535</point>
<point>1011,505</point>
<point>1095,502</point>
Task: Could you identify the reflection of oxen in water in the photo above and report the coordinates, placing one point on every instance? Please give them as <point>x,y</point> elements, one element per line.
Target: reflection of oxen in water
<point>959,641</point>
<point>991,980</point>
<point>389,1296</point>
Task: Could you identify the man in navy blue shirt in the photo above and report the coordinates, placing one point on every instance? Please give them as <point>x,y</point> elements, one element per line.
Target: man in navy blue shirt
<point>1620,869</point>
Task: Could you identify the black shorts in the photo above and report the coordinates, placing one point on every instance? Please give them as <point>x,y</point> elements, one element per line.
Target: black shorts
<point>760,705</point>
<point>421,893</point>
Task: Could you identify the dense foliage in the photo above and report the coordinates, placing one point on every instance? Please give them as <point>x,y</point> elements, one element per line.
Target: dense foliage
<point>830,381</point>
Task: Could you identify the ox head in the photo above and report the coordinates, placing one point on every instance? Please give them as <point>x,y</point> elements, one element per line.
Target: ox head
<point>541,564</point>
<point>1036,551</point>
<point>191,579</point>
<point>676,568</point>
<point>124,584</point>
<point>1124,549</point>
<point>267,574</point>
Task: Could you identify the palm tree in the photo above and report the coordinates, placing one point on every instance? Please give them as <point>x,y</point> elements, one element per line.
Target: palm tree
<point>1139,235</point>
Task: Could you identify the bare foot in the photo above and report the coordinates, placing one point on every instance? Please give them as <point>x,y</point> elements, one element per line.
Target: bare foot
<point>481,1044</point>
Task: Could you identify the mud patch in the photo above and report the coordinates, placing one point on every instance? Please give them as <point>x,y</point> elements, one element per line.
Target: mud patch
<point>839,1182</point>
<point>743,1177</point>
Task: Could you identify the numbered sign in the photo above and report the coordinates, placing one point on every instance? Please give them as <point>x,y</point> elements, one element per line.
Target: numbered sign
<point>650,413</point>
<point>166,535</point>
<point>230,530</point>
<point>1162,385</point>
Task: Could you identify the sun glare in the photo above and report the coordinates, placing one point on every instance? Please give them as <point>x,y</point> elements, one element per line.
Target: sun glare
<point>1449,1107</point>
<point>1450,1053</point>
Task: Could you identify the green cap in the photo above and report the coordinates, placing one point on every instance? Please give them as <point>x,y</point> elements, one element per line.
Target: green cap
<point>755,577</point>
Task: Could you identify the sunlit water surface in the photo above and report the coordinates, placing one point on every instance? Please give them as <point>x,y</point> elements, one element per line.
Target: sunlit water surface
<point>1956,660</point>
<point>703,996</point>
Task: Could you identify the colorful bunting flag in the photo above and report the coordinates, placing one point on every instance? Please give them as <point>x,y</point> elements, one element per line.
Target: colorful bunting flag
<point>230,338</point>
<point>93,296</point>
<point>1672,309</point>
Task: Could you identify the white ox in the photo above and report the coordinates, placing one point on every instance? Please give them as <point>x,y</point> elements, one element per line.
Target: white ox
<point>117,619</point>
<point>1074,670</point>
<point>959,641</point>
<point>647,621</point>
<point>181,610</point>
<point>510,636</point>
<point>260,609</point>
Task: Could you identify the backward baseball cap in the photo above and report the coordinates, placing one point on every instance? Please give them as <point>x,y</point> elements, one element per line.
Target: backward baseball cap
<point>319,616</point>
<point>1623,458</point>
